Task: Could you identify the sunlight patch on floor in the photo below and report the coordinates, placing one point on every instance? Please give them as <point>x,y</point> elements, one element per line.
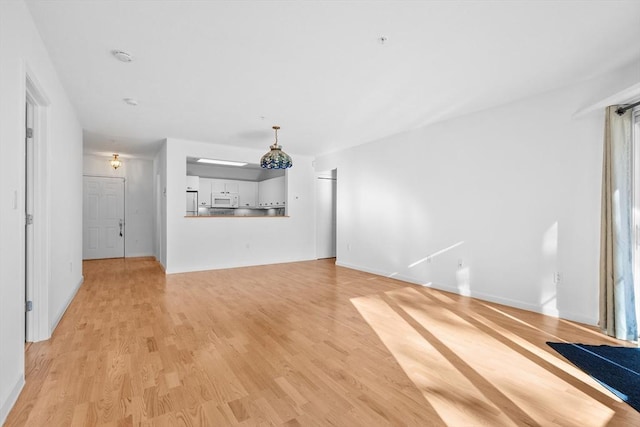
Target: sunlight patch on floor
<point>419,359</point>
<point>470,353</point>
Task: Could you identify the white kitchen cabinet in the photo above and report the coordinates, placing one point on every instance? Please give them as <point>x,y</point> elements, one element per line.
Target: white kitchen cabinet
<point>232,186</point>
<point>271,192</point>
<point>224,186</point>
<point>217,186</point>
<point>247,192</point>
<point>193,183</point>
<point>264,192</point>
<point>204,193</point>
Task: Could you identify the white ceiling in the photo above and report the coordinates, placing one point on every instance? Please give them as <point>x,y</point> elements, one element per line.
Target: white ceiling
<point>226,71</point>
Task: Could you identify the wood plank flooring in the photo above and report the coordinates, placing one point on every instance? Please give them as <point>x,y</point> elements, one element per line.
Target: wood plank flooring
<point>301,344</point>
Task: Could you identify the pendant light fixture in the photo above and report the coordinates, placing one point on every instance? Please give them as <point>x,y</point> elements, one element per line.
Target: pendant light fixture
<point>276,158</point>
<point>115,161</point>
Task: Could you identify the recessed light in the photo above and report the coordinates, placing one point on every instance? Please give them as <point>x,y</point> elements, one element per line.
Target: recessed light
<point>221,162</point>
<point>121,55</point>
<point>131,101</point>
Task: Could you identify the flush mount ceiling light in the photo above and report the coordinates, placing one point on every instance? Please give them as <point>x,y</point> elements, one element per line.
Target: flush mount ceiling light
<point>221,162</point>
<point>276,158</point>
<point>121,55</point>
<point>115,161</point>
<point>131,101</point>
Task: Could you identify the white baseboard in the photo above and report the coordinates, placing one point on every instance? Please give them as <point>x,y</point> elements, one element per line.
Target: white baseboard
<point>369,270</point>
<point>161,264</point>
<point>225,266</point>
<point>593,321</point>
<point>478,295</point>
<point>140,255</point>
<point>11,399</point>
<point>54,324</point>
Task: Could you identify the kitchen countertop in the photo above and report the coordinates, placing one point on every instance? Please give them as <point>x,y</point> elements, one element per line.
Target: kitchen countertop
<point>237,216</point>
<point>239,212</point>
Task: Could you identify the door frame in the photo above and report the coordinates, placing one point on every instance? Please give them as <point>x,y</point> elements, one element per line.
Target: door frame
<point>37,325</point>
<point>330,175</point>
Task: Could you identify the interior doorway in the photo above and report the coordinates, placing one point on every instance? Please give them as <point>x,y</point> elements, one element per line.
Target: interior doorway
<point>326,214</point>
<point>103,227</point>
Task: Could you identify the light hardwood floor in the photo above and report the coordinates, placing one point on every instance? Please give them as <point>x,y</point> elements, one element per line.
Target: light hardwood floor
<point>301,344</point>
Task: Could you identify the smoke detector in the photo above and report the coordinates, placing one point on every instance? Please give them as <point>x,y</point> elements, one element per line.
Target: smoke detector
<point>121,55</point>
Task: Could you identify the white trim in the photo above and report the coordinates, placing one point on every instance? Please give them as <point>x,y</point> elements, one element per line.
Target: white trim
<point>106,176</point>
<point>164,270</point>
<point>29,243</point>
<point>12,398</point>
<point>330,175</point>
<point>157,200</point>
<point>54,324</point>
<point>478,295</point>
<point>635,167</point>
<point>626,96</point>
<point>574,317</point>
<point>140,255</point>
<point>39,288</point>
<point>368,270</point>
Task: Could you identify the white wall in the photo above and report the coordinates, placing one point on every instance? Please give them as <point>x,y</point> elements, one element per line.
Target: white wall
<point>139,199</point>
<point>511,193</point>
<point>21,50</point>
<point>202,243</point>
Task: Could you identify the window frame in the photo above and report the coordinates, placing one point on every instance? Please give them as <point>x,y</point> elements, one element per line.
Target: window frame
<point>635,153</point>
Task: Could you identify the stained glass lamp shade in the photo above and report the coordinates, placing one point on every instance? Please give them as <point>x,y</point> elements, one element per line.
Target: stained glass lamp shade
<point>276,158</point>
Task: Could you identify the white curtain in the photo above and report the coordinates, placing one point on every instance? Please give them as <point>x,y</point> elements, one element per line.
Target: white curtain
<point>617,299</point>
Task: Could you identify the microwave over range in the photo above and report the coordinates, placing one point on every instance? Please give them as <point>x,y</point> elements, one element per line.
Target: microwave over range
<point>224,200</point>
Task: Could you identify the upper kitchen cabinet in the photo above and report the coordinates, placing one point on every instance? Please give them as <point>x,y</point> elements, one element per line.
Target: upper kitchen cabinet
<point>193,183</point>
<point>272,192</point>
<point>204,193</point>
<point>247,191</point>
<point>224,186</point>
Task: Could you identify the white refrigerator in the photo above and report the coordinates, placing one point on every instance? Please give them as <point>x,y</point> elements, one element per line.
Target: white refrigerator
<point>192,203</point>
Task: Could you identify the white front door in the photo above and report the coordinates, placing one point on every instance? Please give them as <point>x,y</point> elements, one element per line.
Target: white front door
<point>103,218</point>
